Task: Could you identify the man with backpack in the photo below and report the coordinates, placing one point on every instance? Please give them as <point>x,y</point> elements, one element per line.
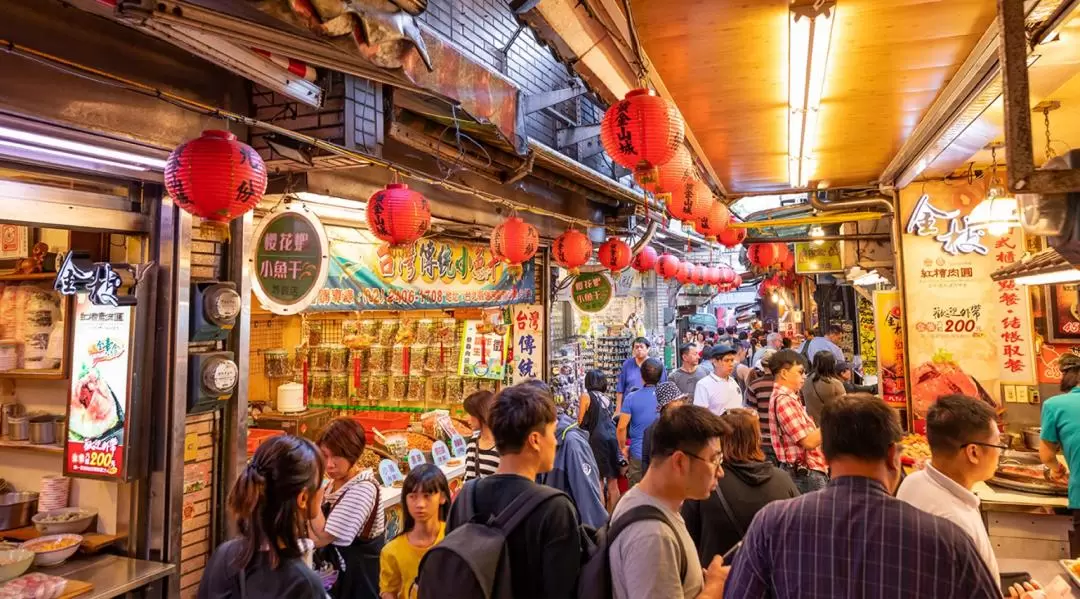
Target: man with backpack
<point>650,550</point>
<point>575,472</point>
<point>508,537</point>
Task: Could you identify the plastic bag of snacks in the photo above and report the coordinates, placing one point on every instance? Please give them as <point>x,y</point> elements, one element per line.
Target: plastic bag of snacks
<point>387,332</point>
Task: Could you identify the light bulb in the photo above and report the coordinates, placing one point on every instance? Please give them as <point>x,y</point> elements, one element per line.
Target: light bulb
<point>782,302</point>
<point>998,229</point>
<point>775,297</point>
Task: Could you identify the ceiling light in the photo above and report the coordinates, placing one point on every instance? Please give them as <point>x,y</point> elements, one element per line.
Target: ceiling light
<point>32,149</point>
<point>817,231</point>
<point>998,213</point>
<point>80,150</point>
<point>809,38</point>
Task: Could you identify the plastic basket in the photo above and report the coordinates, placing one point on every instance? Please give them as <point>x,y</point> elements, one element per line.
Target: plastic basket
<point>384,421</point>
<point>256,436</point>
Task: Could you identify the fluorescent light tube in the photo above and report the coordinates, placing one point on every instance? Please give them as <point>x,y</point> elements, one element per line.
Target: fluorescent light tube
<point>80,150</point>
<point>1049,278</point>
<point>70,155</point>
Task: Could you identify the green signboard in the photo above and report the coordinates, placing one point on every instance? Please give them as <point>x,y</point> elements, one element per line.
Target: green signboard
<point>289,266</point>
<point>591,291</point>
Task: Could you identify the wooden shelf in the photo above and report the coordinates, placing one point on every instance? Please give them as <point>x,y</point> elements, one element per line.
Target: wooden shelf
<point>41,375</point>
<point>6,443</point>
<point>37,276</point>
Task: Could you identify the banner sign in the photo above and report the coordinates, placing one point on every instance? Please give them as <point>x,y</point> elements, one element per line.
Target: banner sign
<point>100,389</point>
<point>483,351</point>
<point>100,280</point>
<point>815,257</point>
<point>1063,312</point>
<point>867,335</point>
<point>367,274</point>
<point>528,342</point>
<point>591,291</point>
<point>889,332</point>
<point>289,265</point>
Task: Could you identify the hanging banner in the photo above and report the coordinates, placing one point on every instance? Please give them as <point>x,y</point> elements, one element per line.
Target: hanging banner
<point>867,335</point>
<point>483,350</point>
<point>528,342</point>
<point>967,334</point>
<point>289,264</point>
<point>591,291</point>
<point>367,274</point>
<point>100,390</point>
<point>627,283</point>
<point>889,332</point>
<point>815,257</point>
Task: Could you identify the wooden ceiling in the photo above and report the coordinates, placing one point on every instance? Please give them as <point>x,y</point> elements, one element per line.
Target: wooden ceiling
<point>725,64</point>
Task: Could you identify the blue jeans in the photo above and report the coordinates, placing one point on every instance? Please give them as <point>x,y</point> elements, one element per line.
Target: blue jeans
<point>806,480</point>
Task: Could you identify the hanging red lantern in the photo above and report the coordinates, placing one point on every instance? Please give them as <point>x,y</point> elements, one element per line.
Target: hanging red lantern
<point>571,250</point>
<point>673,174</point>
<point>764,255</point>
<point>398,215</point>
<point>514,241</point>
<point>685,270</point>
<point>782,253</point>
<point>731,237</point>
<point>712,275</point>
<point>691,204</point>
<point>614,254</point>
<point>645,260</point>
<point>788,263</point>
<point>641,132</point>
<point>697,275</point>
<point>715,221</point>
<point>667,266</point>
<point>215,176</point>
<point>727,275</point>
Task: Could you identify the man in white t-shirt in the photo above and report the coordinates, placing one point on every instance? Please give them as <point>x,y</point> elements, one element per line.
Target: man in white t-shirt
<point>965,446</point>
<point>719,392</point>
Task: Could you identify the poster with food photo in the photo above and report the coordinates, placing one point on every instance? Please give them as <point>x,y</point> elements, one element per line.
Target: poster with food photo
<point>100,378</point>
<point>1064,312</point>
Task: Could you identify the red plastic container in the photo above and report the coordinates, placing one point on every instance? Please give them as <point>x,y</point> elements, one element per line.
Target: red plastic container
<point>256,436</point>
<point>384,421</point>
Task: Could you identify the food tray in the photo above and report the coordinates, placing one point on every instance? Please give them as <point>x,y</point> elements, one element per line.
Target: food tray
<point>1067,565</point>
<point>1029,487</point>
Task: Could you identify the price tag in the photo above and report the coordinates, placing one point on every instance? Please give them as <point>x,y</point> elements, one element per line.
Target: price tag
<point>440,453</point>
<point>390,472</point>
<point>416,458</point>
<point>457,442</point>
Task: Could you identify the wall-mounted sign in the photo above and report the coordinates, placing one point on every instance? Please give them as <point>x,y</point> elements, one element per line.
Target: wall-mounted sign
<point>97,414</point>
<point>483,350</point>
<point>528,342</point>
<point>102,281</point>
<point>591,291</point>
<point>825,256</point>
<point>1063,312</point>
<point>367,274</point>
<point>290,262</point>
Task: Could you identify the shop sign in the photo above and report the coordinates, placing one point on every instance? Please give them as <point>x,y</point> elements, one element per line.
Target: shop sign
<point>97,423</point>
<point>1063,312</point>
<point>867,335</point>
<point>289,264</point>
<point>1049,371</point>
<point>889,333</point>
<point>528,342</point>
<point>368,274</point>
<point>591,291</point>
<point>101,281</point>
<point>815,257</point>
<point>458,445</point>
<point>483,350</point>
<point>966,332</point>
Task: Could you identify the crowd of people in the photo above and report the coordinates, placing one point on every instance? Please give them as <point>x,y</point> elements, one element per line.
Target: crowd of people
<point>759,481</point>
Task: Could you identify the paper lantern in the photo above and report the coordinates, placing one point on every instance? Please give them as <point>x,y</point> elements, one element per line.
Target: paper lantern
<point>673,174</point>
<point>398,215</point>
<point>645,260</point>
<point>515,241</point>
<point>667,266</point>
<point>715,221</point>
<point>727,275</point>
<point>642,131</point>
<point>684,272</point>
<point>731,237</point>
<point>697,275</point>
<point>765,255</point>
<point>215,176</point>
<point>782,253</point>
<point>692,204</point>
<point>615,254</point>
<point>788,263</point>
<point>571,250</point>
<point>712,275</point>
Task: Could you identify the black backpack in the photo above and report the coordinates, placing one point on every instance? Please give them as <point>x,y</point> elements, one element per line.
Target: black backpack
<point>472,562</point>
<point>595,581</point>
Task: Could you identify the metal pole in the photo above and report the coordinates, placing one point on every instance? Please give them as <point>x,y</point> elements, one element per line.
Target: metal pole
<point>808,239</point>
<point>235,418</point>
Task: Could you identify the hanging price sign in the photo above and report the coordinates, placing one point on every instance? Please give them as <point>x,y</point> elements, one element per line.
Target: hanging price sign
<point>457,443</point>
<point>440,454</point>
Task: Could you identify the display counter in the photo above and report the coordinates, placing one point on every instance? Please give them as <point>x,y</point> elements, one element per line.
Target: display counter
<point>110,575</point>
<point>1026,525</point>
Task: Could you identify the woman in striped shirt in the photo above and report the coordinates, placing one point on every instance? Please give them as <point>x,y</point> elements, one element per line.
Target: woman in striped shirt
<point>481,456</point>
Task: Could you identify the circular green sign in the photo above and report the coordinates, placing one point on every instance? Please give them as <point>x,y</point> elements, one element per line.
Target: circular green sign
<point>591,291</point>
<point>290,260</point>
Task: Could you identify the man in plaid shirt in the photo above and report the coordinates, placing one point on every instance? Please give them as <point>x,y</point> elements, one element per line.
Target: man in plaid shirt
<point>795,439</point>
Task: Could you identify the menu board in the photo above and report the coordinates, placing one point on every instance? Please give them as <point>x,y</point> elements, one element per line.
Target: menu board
<point>100,390</point>
<point>289,265</point>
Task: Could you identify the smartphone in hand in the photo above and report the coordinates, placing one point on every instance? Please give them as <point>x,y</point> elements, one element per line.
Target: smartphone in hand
<point>730,555</point>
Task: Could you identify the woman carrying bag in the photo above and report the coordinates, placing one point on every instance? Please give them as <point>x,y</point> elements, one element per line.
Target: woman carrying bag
<point>350,529</point>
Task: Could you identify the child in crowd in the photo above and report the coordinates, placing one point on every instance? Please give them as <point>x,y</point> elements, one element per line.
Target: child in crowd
<point>426,495</point>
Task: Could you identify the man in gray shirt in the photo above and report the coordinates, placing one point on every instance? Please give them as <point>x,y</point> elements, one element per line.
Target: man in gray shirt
<point>690,372</point>
<point>653,558</point>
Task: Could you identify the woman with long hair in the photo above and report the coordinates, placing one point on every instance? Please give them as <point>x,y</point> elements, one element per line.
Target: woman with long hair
<point>426,495</point>
<point>350,528</point>
<point>823,386</point>
<point>272,501</point>
<point>749,484</point>
<point>481,456</point>
<point>595,417</point>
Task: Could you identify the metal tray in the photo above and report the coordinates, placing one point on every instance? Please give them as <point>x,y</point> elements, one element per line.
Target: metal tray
<point>1028,487</point>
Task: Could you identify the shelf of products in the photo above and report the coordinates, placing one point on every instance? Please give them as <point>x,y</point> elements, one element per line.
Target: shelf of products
<point>569,365</point>
<point>34,332</point>
<point>611,352</point>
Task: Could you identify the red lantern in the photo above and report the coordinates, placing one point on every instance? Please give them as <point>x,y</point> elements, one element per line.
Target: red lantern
<point>215,177</point>
<point>782,253</point>
<point>673,174</point>
<point>398,215</point>
<point>715,221</point>
<point>685,270</point>
<point>697,275</point>
<point>614,254</point>
<point>731,237</point>
<point>692,203</point>
<point>712,276</point>
<point>645,260</point>
<point>642,131</point>
<point>571,250</point>
<point>764,255</point>
<point>727,275</point>
<point>514,241</point>
<point>788,263</point>
<point>667,266</point>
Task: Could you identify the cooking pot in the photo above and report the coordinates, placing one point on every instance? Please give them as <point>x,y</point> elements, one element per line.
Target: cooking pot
<point>16,509</point>
<point>1032,435</point>
<point>18,428</point>
<point>43,429</point>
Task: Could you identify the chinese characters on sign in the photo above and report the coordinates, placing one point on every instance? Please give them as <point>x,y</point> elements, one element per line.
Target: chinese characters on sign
<point>102,283</point>
<point>290,261</point>
<point>890,346</point>
<point>824,256</point>
<point>528,340</point>
<point>483,351</point>
<point>1014,308</point>
<point>867,336</point>
<point>591,291</point>
<point>960,237</point>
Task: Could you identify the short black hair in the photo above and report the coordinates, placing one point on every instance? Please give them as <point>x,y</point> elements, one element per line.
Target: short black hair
<point>954,420</point>
<point>687,428</point>
<point>687,348</point>
<point>785,358</point>
<point>651,370</point>
<point>859,425</point>
<point>742,335</point>
<point>642,341</point>
<point>835,329</point>
<point>518,412</point>
<point>825,365</point>
<point>596,380</point>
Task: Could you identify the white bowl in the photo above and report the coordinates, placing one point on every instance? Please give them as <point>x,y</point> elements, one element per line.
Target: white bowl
<point>75,525</point>
<point>55,556</point>
<point>13,562</point>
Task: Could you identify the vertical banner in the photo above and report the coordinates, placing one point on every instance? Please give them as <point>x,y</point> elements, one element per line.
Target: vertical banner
<point>1014,304</point>
<point>889,332</point>
<point>867,335</point>
<point>528,342</point>
<point>483,351</point>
